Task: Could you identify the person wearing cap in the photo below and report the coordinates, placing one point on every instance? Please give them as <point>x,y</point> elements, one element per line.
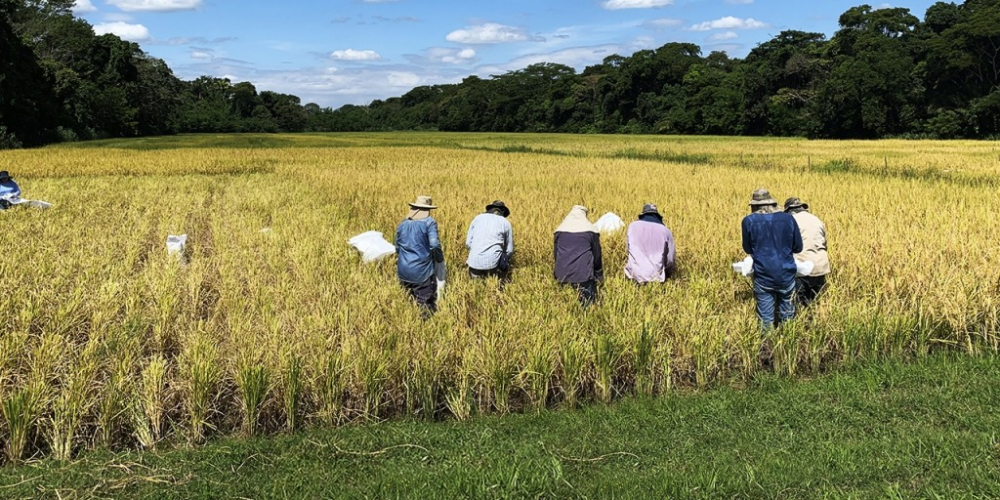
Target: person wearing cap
<point>9,190</point>
<point>813,250</point>
<point>490,241</point>
<point>417,249</point>
<point>650,248</point>
<point>578,255</point>
<point>772,238</point>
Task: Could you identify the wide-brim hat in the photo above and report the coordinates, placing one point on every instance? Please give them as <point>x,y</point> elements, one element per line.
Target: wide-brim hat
<point>499,205</point>
<point>4,176</point>
<point>793,203</point>
<point>761,197</point>
<point>423,203</point>
<point>650,209</point>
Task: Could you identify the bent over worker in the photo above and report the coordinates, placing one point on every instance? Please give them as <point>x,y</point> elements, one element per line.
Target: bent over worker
<point>417,249</point>
<point>650,248</point>
<point>490,241</point>
<point>578,255</point>
<point>813,250</point>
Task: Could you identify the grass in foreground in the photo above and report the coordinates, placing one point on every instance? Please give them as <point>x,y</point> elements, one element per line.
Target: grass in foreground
<point>926,429</point>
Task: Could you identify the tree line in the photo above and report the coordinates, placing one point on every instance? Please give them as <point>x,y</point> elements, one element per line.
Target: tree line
<point>884,73</point>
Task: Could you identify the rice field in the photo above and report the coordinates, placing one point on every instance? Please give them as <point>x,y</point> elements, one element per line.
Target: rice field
<point>273,323</point>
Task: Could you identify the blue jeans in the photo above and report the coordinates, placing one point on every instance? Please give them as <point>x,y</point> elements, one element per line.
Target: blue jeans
<point>768,299</point>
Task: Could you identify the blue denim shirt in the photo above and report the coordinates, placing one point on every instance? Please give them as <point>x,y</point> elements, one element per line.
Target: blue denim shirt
<point>414,241</point>
<point>9,189</point>
<point>772,240</point>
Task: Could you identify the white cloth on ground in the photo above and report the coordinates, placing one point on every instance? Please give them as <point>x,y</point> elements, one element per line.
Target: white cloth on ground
<point>372,246</point>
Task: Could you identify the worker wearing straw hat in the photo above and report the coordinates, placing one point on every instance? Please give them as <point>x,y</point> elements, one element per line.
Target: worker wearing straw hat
<point>490,241</point>
<point>650,248</point>
<point>772,238</point>
<point>813,250</point>
<point>418,249</point>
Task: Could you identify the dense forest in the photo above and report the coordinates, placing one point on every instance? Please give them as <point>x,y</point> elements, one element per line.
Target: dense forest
<point>884,73</point>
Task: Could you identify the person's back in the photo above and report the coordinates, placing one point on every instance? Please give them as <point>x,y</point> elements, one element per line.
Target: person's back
<point>772,239</point>
<point>414,242</point>
<point>489,237</point>
<point>9,190</point>
<point>813,242</point>
<point>650,248</point>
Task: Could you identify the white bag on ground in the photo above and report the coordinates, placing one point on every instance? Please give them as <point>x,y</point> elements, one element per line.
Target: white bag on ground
<point>30,203</point>
<point>440,275</point>
<point>372,246</point>
<point>609,223</point>
<point>745,267</point>
<point>176,244</point>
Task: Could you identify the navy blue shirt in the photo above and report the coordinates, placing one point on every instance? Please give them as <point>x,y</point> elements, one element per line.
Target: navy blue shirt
<point>414,241</point>
<point>772,240</point>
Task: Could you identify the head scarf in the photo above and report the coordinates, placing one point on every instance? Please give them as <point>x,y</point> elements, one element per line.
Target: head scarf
<point>576,222</point>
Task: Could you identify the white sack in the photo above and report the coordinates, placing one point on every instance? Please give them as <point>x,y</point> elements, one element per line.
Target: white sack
<point>609,223</point>
<point>745,267</point>
<point>372,246</point>
<point>176,244</point>
<point>440,275</point>
<point>29,203</point>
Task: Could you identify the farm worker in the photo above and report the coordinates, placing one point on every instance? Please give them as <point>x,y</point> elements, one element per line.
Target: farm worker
<point>772,238</point>
<point>813,250</point>
<point>490,241</point>
<point>650,248</point>
<point>418,248</point>
<point>578,255</point>
<point>9,191</point>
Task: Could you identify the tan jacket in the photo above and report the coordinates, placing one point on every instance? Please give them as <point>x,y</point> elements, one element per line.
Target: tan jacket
<point>813,242</point>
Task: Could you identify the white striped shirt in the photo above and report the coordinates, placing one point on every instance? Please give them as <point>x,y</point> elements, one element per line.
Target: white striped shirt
<point>489,236</point>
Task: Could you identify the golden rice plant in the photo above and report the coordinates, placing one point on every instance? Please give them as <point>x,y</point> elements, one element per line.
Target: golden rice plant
<point>273,322</point>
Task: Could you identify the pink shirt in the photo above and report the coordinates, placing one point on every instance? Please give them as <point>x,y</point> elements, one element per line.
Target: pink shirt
<point>650,252</point>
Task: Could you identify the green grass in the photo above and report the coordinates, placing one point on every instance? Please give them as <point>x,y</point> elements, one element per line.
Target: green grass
<point>927,429</point>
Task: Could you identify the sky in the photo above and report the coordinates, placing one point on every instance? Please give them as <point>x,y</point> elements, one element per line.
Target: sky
<point>338,52</point>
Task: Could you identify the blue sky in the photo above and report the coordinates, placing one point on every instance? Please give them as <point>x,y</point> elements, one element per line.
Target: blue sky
<point>353,51</point>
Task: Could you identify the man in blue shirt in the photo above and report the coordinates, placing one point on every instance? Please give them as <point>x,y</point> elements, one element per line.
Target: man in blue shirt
<point>9,191</point>
<point>418,249</point>
<point>772,238</point>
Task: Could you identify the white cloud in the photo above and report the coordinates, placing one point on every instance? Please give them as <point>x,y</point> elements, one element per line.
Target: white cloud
<point>659,24</point>
<point>83,7</point>
<point>155,5</point>
<point>730,23</point>
<point>356,55</point>
<point>125,31</point>
<point>635,4</point>
<point>739,2</point>
<point>442,55</point>
<point>198,54</point>
<point>727,35</point>
<point>488,33</point>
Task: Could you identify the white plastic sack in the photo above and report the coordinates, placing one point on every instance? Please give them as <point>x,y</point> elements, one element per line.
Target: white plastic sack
<point>745,267</point>
<point>176,244</point>
<point>30,203</point>
<point>440,275</point>
<point>609,223</point>
<point>372,246</point>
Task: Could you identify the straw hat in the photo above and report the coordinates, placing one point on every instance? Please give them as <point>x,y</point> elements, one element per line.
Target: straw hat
<point>761,197</point>
<point>423,203</point>
<point>793,203</point>
<point>650,209</point>
<point>499,205</point>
